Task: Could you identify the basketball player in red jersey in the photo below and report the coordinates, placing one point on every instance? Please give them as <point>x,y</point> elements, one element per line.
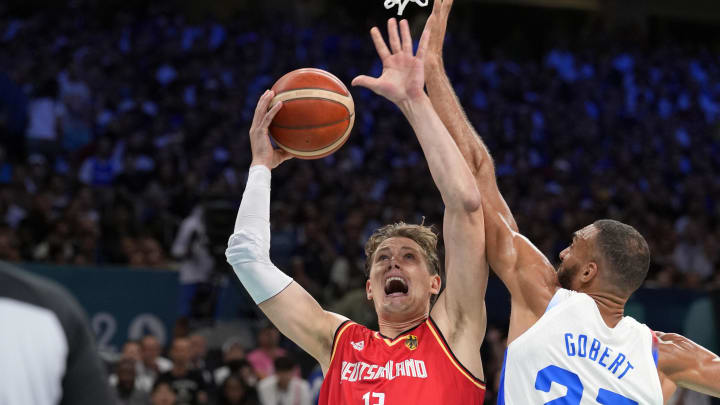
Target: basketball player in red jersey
<point>526,272</point>
<point>419,356</point>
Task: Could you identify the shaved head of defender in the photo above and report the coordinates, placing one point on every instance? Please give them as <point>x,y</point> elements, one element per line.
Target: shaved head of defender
<point>606,256</point>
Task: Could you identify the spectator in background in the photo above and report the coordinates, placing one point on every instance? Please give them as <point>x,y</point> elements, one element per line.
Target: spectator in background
<point>127,388</point>
<point>233,360</point>
<point>152,363</point>
<point>9,244</point>
<point>284,387</point>
<point>6,167</point>
<point>131,351</point>
<point>13,115</point>
<point>263,358</point>
<point>188,383</point>
<point>191,247</point>
<point>691,256</point>
<point>100,169</point>
<point>198,354</point>
<point>163,394</point>
<point>46,114</point>
<point>234,391</point>
<point>76,96</point>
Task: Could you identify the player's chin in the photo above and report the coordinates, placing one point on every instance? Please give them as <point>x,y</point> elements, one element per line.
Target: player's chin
<point>397,302</point>
<point>397,295</point>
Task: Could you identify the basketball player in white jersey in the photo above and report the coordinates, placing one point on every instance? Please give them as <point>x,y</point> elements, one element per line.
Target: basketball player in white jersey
<point>569,342</point>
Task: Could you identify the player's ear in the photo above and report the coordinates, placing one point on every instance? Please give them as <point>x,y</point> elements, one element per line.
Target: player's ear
<point>435,284</point>
<point>589,272</point>
<point>368,290</point>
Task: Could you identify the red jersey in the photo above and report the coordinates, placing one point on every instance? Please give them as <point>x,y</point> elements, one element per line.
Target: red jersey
<point>415,368</point>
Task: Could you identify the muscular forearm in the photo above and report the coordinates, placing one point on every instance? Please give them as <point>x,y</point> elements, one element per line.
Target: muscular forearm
<point>449,110</point>
<point>688,364</point>
<point>474,151</point>
<point>447,166</point>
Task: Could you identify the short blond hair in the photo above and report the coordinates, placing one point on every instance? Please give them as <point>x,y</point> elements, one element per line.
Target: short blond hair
<point>424,236</point>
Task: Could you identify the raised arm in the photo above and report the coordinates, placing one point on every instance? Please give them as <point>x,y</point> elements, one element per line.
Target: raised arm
<point>508,251</point>
<point>459,311</point>
<point>402,82</point>
<point>288,306</point>
<point>687,364</point>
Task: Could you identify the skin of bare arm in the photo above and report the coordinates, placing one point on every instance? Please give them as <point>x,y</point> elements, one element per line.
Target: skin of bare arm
<point>456,311</point>
<point>684,363</point>
<point>520,265</point>
<point>291,309</point>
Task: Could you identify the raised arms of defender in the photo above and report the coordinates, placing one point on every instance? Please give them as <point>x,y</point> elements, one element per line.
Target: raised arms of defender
<point>521,266</point>
<point>507,250</point>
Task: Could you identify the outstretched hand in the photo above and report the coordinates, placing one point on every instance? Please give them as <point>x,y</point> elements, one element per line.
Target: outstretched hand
<point>439,17</point>
<point>263,152</point>
<point>403,76</point>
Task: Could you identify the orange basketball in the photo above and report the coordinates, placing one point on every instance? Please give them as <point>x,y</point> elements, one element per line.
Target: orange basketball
<point>317,113</point>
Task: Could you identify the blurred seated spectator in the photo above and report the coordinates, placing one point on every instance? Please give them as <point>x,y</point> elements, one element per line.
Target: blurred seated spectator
<point>192,248</point>
<point>284,387</point>
<point>131,350</point>
<point>163,394</point>
<point>46,114</point>
<point>234,391</point>
<point>127,389</point>
<point>263,358</point>
<point>691,255</point>
<point>100,169</point>
<point>233,360</point>
<point>9,244</point>
<point>198,356</point>
<point>188,383</point>
<point>153,364</point>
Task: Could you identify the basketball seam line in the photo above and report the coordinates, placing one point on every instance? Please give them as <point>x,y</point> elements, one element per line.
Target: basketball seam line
<point>318,98</point>
<point>313,88</point>
<point>315,94</point>
<point>313,126</point>
<point>330,149</point>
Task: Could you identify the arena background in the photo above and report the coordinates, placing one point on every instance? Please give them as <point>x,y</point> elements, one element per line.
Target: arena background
<point>123,133</point>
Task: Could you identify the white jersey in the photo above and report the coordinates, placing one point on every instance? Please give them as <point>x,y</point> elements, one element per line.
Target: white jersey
<point>571,357</point>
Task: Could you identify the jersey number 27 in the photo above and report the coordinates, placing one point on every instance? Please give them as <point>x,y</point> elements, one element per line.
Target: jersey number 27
<point>555,374</point>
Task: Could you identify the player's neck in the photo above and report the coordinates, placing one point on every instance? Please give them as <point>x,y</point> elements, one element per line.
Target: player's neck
<point>393,329</point>
<point>611,307</point>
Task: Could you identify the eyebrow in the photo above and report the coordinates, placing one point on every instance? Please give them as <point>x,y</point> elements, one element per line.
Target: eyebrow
<point>401,248</point>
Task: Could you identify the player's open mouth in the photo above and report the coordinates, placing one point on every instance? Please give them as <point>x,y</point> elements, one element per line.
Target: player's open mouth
<point>396,286</point>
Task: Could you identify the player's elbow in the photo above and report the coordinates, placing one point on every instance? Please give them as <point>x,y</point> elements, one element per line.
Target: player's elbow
<point>471,199</point>
<point>245,247</point>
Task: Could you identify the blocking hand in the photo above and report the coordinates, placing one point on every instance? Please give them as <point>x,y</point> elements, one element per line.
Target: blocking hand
<point>403,76</point>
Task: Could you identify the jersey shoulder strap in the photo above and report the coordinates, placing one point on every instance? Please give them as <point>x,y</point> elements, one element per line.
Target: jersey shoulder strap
<point>561,295</point>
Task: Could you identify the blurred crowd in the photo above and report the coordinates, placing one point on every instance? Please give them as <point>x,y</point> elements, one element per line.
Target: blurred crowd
<point>120,135</point>
<point>115,131</point>
<point>191,374</point>
<point>188,372</point>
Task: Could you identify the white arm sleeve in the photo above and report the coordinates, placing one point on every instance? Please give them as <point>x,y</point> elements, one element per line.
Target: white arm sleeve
<point>248,249</point>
